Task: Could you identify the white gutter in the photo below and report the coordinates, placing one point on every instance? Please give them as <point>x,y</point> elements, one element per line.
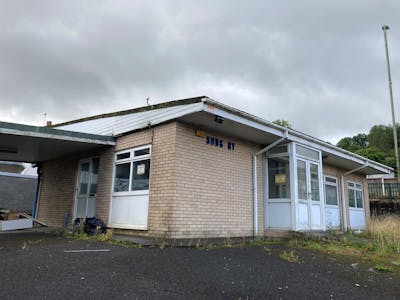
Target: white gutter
<point>293,135</point>
<point>345,225</point>
<point>255,191</point>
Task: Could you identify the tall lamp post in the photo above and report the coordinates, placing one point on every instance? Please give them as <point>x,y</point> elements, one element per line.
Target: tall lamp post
<point>396,150</point>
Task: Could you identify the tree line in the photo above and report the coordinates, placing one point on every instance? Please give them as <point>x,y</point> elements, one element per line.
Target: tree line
<point>377,145</point>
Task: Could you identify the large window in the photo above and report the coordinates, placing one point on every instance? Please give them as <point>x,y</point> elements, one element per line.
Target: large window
<point>356,199</point>
<point>331,192</point>
<point>279,178</point>
<point>132,170</point>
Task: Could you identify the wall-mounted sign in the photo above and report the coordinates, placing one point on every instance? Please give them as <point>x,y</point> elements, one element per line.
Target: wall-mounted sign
<point>280,178</point>
<point>141,169</point>
<point>217,142</point>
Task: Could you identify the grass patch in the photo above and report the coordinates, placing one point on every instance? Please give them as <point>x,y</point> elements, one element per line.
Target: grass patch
<point>377,246</point>
<point>385,231</point>
<point>290,256</point>
<point>100,237</point>
<point>383,268</point>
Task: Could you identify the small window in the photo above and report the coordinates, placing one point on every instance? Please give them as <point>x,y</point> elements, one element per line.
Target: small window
<point>331,192</point>
<point>142,152</point>
<point>94,176</point>
<point>140,175</point>
<point>123,155</point>
<point>132,170</point>
<point>278,178</point>
<point>122,173</point>
<point>306,152</point>
<point>330,180</point>
<point>278,149</point>
<point>356,199</point>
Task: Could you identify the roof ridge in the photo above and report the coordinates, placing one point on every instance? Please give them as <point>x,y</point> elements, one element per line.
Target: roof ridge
<point>136,110</point>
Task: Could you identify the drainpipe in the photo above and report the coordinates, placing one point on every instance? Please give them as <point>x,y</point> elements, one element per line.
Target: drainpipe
<point>345,225</point>
<point>255,196</point>
<point>37,193</point>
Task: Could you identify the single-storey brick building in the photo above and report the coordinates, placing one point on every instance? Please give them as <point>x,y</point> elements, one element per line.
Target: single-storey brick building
<point>192,168</point>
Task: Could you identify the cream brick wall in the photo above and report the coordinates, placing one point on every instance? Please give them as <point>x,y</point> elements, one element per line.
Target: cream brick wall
<point>57,190</point>
<point>357,177</point>
<point>162,166</point>
<point>196,190</point>
<point>213,187</point>
<point>58,186</point>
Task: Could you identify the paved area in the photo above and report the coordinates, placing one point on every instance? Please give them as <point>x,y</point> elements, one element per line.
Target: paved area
<point>43,266</point>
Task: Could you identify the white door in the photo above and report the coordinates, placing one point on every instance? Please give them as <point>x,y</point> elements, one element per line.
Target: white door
<point>130,196</point>
<point>309,208</point>
<point>332,214</point>
<point>356,205</point>
<point>86,188</point>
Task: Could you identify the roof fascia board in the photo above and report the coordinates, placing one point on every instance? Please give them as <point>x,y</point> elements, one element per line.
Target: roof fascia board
<point>9,174</point>
<point>92,139</point>
<point>211,106</point>
<point>233,117</point>
<point>341,153</point>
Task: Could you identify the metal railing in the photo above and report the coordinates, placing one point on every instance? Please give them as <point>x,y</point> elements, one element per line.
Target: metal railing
<point>378,191</point>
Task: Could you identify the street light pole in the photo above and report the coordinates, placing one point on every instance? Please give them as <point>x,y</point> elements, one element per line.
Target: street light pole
<point>396,150</point>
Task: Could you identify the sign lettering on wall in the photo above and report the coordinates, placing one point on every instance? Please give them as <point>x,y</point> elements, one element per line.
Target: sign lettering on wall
<point>220,143</point>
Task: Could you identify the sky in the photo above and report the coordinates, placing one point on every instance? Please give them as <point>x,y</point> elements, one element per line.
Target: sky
<point>318,64</point>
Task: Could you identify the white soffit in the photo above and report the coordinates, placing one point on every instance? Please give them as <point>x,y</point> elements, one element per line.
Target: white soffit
<point>298,137</point>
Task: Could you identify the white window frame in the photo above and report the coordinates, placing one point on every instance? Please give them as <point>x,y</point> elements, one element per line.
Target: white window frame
<point>354,189</point>
<point>331,184</point>
<point>132,158</point>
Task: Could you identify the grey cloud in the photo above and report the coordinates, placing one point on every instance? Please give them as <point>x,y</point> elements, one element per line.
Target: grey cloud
<point>320,65</point>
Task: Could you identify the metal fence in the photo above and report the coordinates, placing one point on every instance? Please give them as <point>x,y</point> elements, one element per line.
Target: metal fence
<point>384,198</point>
<point>378,191</point>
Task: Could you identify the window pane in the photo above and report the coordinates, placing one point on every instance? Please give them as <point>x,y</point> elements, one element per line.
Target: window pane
<point>84,178</point>
<point>85,167</point>
<point>301,180</point>
<point>83,188</point>
<point>121,182</point>
<point>140,175</point>
<point>352,199</point>
<point>278,178</point>
<point>359,199</point>
<point>94,175</point>
<point>278,149</point>
<point>331,195</point>
<point>358,186</point>
<point>307,152</point>
<point>142,152</point>
<point>331,180</point>
<point>123,155</point>
<point>314,182</point>
<point>350,184</point>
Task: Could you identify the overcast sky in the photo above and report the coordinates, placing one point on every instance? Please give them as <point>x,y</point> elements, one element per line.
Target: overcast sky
<point>318,64</point>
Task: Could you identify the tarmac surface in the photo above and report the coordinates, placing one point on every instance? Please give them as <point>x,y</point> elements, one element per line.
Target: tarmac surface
<point>44,266</point>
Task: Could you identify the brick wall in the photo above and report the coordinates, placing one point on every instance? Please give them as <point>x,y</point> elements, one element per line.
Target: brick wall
<point>58,186</point>
<point>213,187</point>
<point>162,167</point>
<point>57,190</point>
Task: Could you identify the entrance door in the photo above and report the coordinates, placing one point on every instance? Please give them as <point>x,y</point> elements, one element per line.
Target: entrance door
<point>85,197</point>
<point>309,206</point>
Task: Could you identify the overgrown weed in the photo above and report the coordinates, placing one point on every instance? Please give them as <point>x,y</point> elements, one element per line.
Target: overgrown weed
<point>290,256</point>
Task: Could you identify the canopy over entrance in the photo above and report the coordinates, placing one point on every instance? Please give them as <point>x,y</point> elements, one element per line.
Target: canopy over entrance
<point>33,144</point>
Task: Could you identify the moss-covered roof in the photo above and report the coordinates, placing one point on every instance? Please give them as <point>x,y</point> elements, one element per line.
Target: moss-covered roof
<point>136,110</point>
